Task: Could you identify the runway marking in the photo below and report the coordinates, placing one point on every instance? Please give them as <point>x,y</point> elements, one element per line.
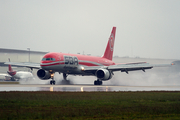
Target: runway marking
<point>82,88</point>
<point>86,85</point>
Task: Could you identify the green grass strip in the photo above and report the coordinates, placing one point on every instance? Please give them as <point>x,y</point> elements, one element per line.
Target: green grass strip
<point>90,105</point>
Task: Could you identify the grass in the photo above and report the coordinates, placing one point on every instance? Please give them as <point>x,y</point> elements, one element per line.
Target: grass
<point>90,105</point>
<point>9,82</point>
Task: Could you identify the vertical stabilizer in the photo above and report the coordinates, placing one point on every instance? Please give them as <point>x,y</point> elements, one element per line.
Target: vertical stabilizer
<point>10,68</point>
<point>108,54</point>
<point>11,72</point>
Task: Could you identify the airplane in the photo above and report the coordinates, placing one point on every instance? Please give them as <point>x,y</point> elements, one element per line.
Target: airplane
<point>75,64</point>
<point>5,77</point>
<point>18,75</point>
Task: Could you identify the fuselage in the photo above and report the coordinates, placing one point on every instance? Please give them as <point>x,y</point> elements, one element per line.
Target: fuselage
<point>71,63</point>
<point>20,74</point>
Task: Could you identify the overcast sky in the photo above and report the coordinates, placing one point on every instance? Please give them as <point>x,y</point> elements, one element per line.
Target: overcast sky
<point>145,28</point>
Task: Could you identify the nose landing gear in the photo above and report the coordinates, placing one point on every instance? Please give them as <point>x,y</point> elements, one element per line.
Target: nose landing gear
<point>52,82</point>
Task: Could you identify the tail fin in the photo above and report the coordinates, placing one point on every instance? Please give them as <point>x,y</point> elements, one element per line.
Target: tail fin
<point>108,54</point>
<point>10,69</point>
<point>11,72</point>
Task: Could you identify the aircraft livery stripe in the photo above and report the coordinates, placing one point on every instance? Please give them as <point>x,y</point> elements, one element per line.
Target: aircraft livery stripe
<point>81,62</point>
<point>89,63</point>
<point>52,63</point>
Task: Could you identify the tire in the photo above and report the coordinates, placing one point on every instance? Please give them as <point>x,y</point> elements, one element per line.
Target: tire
<point>95,82</point>
<point>54,82</point>
<point>100,82</point>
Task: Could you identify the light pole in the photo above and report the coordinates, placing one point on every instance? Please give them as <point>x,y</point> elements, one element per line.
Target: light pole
<point>29,53</point>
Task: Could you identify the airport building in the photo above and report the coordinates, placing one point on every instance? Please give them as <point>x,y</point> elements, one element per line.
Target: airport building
<point>20,55</point>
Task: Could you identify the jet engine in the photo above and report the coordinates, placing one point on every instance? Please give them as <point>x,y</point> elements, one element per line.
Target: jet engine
<point>43,75</point>
<point>103,74</point>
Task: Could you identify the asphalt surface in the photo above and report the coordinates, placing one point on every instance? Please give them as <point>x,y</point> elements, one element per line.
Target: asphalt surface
<point>82,88</point>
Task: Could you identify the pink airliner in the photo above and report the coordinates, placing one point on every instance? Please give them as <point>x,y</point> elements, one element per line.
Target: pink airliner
<point>84,65</point>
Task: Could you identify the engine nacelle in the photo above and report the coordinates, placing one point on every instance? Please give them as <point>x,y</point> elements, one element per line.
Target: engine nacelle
<point>103,74</point>
<point>43,75</point>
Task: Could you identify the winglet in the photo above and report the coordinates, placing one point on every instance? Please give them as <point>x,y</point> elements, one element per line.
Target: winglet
<point>108,54</point>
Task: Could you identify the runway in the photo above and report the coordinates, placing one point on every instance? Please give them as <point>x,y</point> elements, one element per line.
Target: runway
<point>83,88</point>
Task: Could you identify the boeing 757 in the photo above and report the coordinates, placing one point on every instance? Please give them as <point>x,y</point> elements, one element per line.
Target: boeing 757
<point>76,64</point>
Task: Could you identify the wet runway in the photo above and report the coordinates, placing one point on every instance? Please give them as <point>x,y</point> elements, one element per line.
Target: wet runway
<point>83,88</point>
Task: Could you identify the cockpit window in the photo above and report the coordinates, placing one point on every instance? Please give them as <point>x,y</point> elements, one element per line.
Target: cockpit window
<point>52,59</point>
<point>44,59</point>
<point>48,59</point>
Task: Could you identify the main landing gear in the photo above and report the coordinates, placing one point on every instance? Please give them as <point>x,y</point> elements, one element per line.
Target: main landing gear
<point>65,81</point>
<point>97,82</point>
<point>65,76</point>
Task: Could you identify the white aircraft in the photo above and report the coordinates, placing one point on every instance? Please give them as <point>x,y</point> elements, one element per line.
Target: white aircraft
<point>5,77</point>
<point>20,74</point>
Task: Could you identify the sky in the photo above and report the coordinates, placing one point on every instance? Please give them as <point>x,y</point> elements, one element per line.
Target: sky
<point>145,28</point>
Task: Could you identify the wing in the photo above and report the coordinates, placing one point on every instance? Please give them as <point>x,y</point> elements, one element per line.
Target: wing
<point>130,67</point>
<point>126,67</point>
<point>25,64</point>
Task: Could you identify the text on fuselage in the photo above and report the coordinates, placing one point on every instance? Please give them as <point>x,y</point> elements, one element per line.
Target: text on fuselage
<point>70,60</point>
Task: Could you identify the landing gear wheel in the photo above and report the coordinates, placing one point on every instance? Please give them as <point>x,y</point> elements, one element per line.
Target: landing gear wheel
<point>97,82</point>
<point>54,82</point>
<point>100,82</point>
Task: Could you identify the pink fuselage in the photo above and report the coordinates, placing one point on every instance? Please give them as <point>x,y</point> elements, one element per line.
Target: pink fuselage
<point>71,63</point>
